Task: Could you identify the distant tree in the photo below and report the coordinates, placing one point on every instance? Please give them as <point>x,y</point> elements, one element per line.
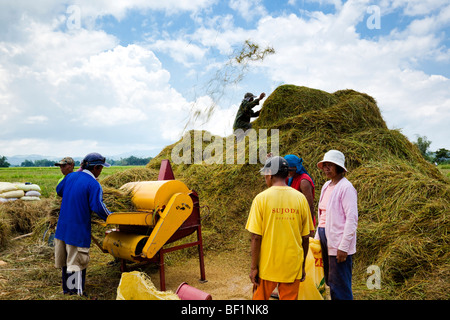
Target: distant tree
<point>3,162</point>
<point>27,163</point>
<point>442,156</point>
<point>424,144</point>
<point>37,163</point>
<point>134,161</point>
<point>43,163</point>
<point>130,161</point>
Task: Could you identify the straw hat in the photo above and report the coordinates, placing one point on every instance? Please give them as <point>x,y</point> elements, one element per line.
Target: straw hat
<point>333,156</point>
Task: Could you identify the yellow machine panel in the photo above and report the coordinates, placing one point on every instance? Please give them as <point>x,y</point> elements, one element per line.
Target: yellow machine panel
<point>162,206</point>
<point>131,218</point>
<point>150,195</point>
<point>176,212</point>
<point>124,245</point>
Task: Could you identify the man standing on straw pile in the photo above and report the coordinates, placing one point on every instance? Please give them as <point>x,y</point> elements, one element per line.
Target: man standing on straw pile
<point>81,194</point>
<point>245,112</point>
<point>279,223</point>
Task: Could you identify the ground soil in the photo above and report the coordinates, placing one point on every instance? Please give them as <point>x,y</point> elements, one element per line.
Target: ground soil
<point>27,272</point>
<point>226,275</point>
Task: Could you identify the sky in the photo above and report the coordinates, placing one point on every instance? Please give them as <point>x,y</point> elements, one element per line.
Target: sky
<point>124,76</point>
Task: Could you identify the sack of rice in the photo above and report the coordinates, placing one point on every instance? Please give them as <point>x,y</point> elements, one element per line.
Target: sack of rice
<point>30,198</point>
<point>33,193</point>
<point>12,194</point>
<point>7,186</point>
<point>27,186</point>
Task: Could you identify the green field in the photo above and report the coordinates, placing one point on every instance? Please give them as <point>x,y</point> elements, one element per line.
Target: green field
<point>445,168</point>
<point>46,177</point>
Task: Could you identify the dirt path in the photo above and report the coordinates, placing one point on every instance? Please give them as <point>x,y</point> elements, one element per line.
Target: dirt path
<point>226,275</point>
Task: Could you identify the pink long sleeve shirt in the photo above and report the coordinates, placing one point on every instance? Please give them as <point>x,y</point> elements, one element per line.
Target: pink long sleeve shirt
<point>342,217</point>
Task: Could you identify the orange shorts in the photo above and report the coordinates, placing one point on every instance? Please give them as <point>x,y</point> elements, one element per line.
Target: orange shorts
<point>286,291</point>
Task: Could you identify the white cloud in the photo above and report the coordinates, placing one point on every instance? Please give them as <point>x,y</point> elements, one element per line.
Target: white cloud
<point>248,9</point>
<point>52,146</point>
<point>55,10</point>
<point>79,84</point>
<point>414,7</point>
<point>336,3</point>
<point>101,116</point>
<point>36,120</point>
<point>324,51</point>
<point>219,32</point>
<point>119,8</point>
<point>180,50</point>
<point>45,146</point>
<point>210,116</point>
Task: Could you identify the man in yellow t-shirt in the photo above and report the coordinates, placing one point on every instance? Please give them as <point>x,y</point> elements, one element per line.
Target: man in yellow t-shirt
<point>279,222</point>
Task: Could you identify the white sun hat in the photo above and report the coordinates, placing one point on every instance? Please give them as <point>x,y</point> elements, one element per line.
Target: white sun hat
<point>333,156</point>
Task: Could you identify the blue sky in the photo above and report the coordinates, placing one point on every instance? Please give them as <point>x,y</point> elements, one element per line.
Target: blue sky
<point>120,76</point>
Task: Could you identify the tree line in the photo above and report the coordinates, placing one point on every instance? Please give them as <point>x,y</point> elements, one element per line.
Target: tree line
<point>130,161</point>
<point>441,156</point>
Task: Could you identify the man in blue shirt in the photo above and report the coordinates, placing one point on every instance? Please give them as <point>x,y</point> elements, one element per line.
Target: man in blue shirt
<point>81,195</point>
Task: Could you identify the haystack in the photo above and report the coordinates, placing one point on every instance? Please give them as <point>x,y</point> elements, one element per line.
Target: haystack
<point>403,200</point>
<point>21,217</point>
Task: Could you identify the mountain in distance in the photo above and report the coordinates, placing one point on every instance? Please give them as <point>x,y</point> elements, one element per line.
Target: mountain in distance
<point>16,160</point>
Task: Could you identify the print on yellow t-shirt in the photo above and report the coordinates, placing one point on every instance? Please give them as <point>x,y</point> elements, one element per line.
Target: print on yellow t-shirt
<point>281,216</point>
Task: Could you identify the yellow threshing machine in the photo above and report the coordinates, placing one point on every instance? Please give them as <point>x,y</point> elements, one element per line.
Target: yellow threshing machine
<point>167,211</point>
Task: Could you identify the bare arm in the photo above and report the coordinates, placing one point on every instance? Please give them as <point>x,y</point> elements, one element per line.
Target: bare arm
<point>255,250</point>
<point>305,245</point>
<point>307,190</point>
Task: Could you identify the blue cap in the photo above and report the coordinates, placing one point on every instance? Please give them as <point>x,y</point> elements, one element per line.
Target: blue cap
<point>94,158</point>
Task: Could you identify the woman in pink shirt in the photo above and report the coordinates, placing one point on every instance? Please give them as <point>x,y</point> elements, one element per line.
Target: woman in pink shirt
<point>338,220</point>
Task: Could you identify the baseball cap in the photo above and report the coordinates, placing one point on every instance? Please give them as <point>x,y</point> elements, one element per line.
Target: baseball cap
<point>66,160</point>
<point>95,158</point>
<point>274,165</point>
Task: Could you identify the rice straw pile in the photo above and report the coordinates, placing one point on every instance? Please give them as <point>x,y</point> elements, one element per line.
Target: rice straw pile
<point>403,200</point>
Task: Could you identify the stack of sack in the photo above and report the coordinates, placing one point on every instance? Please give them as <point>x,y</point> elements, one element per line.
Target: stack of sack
<point>24,191</point>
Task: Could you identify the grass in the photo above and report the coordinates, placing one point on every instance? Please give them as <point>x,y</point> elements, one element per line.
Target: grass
<point>29,273</point>
<point>445,169</point>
